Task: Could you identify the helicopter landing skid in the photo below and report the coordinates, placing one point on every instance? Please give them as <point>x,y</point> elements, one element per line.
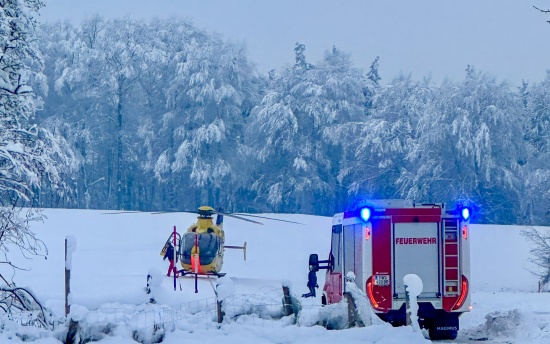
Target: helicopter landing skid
<point>183,273</point>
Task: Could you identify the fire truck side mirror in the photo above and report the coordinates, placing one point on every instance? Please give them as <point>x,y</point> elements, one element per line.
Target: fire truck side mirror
<point>314,262</point>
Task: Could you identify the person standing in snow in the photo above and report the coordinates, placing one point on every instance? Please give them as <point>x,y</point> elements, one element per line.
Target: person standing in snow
<point>170,255</point>
<point>311,282</point>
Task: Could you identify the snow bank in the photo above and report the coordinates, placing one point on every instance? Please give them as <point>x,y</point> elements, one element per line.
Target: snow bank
<point>362,302</point>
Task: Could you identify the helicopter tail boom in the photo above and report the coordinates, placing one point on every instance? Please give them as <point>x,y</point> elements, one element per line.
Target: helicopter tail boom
<point>238,248</point>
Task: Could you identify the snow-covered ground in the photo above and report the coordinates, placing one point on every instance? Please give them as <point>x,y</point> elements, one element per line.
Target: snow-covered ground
<point>115,252</point>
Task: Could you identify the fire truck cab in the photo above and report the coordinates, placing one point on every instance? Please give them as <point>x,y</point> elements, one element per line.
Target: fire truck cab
<point>381,241</point>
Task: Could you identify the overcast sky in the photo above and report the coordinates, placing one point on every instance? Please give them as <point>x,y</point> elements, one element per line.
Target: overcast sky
<point>508,39</point>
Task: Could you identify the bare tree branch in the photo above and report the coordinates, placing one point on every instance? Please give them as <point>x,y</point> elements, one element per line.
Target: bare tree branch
<point>543,11</point>
<point>540,251</point>
<point>21,304</point>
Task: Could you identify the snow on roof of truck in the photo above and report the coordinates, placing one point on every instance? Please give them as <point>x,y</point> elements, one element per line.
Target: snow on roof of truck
<point>385,203</point>
<point>337,219</point>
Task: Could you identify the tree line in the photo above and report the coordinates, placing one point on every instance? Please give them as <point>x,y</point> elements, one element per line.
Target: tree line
<point>161,115</point>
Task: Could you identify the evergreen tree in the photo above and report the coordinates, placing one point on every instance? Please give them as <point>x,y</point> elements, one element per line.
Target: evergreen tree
<point>299,53</point>
<point>372,75</point>
<point>373,84</point>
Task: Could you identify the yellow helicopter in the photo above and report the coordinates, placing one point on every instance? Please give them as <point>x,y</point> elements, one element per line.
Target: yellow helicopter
<point>201,248</point>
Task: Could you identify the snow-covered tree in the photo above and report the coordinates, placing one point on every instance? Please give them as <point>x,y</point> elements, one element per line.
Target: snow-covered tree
<point>124,47</point>
<point>198,151</point>
<point>290,132</point>
<point>376,147</point>
<point>96,102</point>
<point>67,107</point>
<point>157,110</point>
<point>540,239</point>
<point>373,84</point>
<point>536,198</point>
<point>29,155</point>
<point>538,112</point>
<point>470,147</point>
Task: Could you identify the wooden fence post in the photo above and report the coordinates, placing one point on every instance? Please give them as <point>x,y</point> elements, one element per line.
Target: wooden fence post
<point>219,311</point>
<point>287,301</point>
<point>353,315</point>
<point>72,333</point>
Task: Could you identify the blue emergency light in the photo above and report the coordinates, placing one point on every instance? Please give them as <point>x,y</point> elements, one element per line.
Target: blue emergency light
<point>365,214</point>
<point>465,214</point>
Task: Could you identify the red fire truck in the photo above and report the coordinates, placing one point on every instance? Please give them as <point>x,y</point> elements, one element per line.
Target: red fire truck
<point>381,241</point>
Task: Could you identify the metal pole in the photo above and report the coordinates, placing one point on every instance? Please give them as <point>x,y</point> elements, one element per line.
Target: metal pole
<point>174,269</point>
<point>67,283</point>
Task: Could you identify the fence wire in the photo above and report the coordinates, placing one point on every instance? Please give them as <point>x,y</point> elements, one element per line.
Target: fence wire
<point>263,308</point>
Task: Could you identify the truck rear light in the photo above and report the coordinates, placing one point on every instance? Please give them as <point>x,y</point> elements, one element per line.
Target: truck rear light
<point>465,232</point>
<point>370,294</point>
<point>367,233</point>
<point>463,294</point>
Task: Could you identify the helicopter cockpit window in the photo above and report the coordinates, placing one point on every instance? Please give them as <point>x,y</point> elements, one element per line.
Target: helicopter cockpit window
<point>208,245</point>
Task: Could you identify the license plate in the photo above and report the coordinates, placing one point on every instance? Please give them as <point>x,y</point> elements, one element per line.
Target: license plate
<point>382,280</point>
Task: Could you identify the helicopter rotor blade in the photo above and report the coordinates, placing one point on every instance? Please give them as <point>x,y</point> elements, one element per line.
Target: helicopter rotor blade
<point>167,212</point>
<point>240,218</point>
<point>270,218</point>
<point>173,211</point>
<point>122,212</point>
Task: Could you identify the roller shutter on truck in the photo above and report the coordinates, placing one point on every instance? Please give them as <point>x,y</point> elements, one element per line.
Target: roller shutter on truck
<point>416,251</point>
<point>353,241</point>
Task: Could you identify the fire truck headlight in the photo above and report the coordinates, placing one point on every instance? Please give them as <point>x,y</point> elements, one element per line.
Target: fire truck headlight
<point>465,214</point>
<point>365,214</point>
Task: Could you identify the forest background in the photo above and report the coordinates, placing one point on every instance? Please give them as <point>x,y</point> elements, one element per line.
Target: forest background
<point>161,115</point>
